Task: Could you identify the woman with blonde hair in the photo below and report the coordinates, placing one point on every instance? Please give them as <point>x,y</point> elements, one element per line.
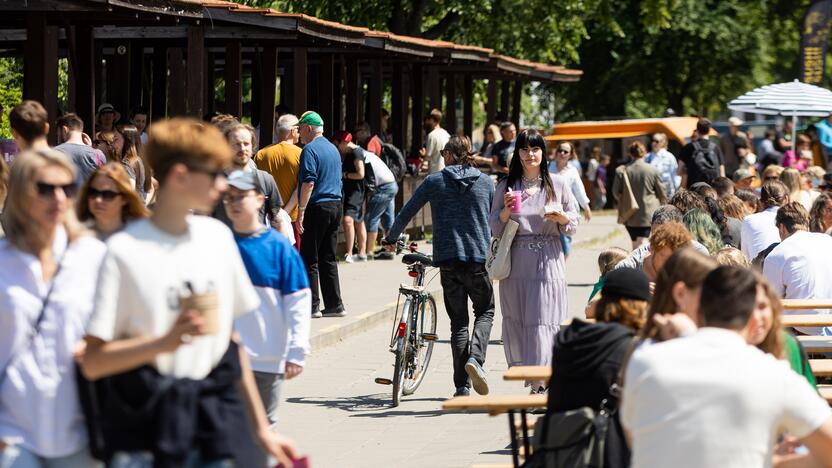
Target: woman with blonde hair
<point>732,256</point>
<point>791,179</point>
<point>491,135</point>
<point>109,201</point>
<point>48,273</point>
<point>733,207</point>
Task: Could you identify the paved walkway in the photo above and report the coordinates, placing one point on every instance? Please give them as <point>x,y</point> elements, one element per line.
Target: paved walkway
<point>341,418</point>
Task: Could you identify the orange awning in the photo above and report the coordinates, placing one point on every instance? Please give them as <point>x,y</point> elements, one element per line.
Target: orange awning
<point>677,128</point>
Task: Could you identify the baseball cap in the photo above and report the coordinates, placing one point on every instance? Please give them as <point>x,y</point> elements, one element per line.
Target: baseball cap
<point>735,121</point>
<point>741,174</point>
<point>342,135</point>
<point>106,107</point>
<point>311,118</point>
<point>627,283</point>
<point>243,180</point>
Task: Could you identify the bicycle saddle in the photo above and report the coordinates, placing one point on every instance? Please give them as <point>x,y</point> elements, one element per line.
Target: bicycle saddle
<point>411,258</point>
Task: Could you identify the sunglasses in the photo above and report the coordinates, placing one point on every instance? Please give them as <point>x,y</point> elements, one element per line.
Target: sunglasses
<point>106,195</point>
<point>47,190</point>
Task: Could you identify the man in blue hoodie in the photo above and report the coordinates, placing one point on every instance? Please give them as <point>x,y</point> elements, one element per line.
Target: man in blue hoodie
<point>460,199</point>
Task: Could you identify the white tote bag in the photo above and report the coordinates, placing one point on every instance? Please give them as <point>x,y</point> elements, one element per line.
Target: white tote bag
<point>498,263</point>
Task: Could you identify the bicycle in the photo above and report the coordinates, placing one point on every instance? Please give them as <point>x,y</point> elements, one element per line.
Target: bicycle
<point>414,330</point>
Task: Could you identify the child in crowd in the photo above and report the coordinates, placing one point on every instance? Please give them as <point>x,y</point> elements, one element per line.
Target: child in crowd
<point>607,260</point>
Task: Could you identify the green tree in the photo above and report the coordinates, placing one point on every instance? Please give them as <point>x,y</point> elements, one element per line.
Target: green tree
<point>11,90</point>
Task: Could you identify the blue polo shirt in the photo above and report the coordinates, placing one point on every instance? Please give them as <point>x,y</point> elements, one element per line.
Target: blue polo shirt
<point>320,163</point>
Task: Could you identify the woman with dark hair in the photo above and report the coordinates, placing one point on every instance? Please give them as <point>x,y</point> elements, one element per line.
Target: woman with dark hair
<point>645,182</point>
<point>533,299</point>
<point>560,165</point>
<point>136,168</point>
<point>586,357</point>
<point>108,200</point>
<point>820,217</point>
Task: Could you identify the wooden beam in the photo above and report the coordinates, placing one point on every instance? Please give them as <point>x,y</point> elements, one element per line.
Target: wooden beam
<point>326,87</point>
<point>159,88</point>
<point>136,73</point>
<point>233,78</point>
<point>516,97</point>
<point>268,83</point>
<point>450,123</point>
<point>398,109</point>
<point>468,105</point>
<point>417,110</point>
<point>505,101</point>
<point>40,67</point>
<point>119,77</point>
<point>491,102</point>
<point>299,74</point>
<point>196,71</point>
<point>353,82</point>
<point>375,93</point>
<point>176,83</point>
<point>84,76</point>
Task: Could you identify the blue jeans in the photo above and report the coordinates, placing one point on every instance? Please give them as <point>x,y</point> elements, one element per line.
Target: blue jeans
<point>566,243</point>
<point>381,207</point>
<point>15,456</point>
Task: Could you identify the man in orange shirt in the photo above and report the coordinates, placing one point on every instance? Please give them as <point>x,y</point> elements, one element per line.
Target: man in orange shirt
<point>282,161</point>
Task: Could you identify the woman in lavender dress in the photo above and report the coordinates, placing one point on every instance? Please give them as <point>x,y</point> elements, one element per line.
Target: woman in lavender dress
<point>533,297</point>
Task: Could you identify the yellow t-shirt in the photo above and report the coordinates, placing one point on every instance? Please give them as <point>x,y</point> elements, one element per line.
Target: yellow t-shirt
<point>282,161</point>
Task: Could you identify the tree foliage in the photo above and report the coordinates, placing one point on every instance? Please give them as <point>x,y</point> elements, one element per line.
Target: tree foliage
<point>639,57</point>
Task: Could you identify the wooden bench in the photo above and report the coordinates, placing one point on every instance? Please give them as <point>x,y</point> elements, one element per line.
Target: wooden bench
<point>499,404</point>
<point>820,367</point>
<point>826,392</point>
<point>816,344</point>
<point>807,304</point>
<point>807,320</point>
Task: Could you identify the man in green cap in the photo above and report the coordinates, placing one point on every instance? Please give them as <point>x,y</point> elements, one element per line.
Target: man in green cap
<point>319,214</point>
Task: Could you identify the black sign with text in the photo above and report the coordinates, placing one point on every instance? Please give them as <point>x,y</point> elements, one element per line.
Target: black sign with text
<point>813,40</point>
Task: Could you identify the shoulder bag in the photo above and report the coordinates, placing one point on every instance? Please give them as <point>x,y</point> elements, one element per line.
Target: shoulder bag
<point>627,205</point>
<point>577,438</point>
<point>498,263</point>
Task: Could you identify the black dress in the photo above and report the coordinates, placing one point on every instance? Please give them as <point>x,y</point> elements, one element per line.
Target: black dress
<point>585,363</point>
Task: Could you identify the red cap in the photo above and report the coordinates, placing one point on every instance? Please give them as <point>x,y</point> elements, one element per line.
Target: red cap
<point>342,135</point>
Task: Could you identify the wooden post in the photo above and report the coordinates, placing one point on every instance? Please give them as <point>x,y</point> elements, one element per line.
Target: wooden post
<point>505,101</point>
<point>353,81</point>
<point>233,79</point>
<point>136,71</point>
<point>196,71</point>
<point>119,77</point>
<point>159,94</point>
<point>299,71</point>
<point>85,76</point>
<point>210,73</point>
<point>450,123</point>
<point>326,86</point>
<point>468,105</point>
<point>434,89</point>
<point>398,109</point>
<point>268,82</point>
<point>338,96</point>
<point>40,67</point>
<point>491,103</point>
<point>418,108</point>
<point>176,84</point>
<point>516,96</point>
<point>375,92</point>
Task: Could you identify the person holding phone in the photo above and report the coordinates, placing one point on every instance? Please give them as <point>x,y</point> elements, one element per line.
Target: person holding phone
<point>533,298</point>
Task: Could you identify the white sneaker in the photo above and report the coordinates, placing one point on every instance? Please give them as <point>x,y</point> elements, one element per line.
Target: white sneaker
<point>348,258</point>
<point>360,258</point>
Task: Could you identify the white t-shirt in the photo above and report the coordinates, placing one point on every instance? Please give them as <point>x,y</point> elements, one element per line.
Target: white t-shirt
<point>710,400</point>
<point>434,144</point>
<point>147,270</point>
<point>758,232</point>
<point>801,268</point>
<point>39,406</point>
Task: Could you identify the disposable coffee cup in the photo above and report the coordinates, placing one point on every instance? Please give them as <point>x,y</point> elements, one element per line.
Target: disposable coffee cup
<point>207,304</point>
<point>518,201</point>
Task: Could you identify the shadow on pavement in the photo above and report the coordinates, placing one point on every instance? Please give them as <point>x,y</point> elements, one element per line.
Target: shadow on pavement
<point>370,406</point>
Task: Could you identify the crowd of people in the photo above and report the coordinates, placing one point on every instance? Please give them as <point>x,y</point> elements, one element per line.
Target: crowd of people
<point>219,253</point>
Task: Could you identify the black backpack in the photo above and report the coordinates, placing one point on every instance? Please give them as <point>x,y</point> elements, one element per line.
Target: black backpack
<point>369,175</point>
<point>394,159</point>
<point>706,160</point>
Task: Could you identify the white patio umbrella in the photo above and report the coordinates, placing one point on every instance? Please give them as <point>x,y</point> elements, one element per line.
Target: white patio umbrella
<point>793,99</point>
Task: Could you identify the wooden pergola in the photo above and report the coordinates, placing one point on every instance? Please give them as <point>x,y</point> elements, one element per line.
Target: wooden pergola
<point>171,55</point>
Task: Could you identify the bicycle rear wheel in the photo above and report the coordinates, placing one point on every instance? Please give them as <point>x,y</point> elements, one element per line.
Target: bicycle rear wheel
<point>400,365</point>
<point>419,355</point>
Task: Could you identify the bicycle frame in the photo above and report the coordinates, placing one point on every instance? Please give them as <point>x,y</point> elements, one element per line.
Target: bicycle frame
<point>414,293</point>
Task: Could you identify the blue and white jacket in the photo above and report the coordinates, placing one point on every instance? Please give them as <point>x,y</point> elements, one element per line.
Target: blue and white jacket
<point>278,330</point>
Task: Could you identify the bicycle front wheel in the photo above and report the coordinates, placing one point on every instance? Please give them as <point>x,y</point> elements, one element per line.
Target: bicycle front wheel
<point>422,349</point>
